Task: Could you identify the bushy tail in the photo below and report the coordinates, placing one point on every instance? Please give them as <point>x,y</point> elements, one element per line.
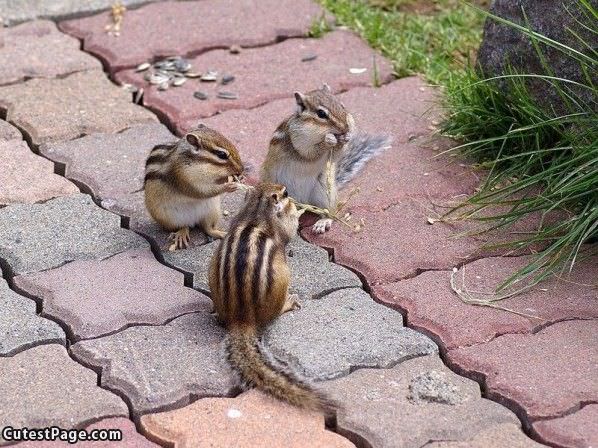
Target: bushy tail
<point>256,369</point>
<point>361,148</point>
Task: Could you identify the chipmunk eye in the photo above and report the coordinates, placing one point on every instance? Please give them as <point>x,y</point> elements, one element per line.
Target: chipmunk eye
<point>285,194</point>
<point>321,113</point>
<point>221,154</point>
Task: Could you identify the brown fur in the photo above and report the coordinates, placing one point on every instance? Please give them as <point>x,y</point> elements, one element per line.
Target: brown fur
<point>249,280</point>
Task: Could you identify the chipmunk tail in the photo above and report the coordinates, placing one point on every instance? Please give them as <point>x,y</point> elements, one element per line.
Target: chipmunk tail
<point>360,148</point>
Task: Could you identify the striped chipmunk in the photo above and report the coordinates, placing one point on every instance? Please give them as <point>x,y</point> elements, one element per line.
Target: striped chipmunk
<point>184,181</point>
<point>320,131</point>
<point>249,280</point>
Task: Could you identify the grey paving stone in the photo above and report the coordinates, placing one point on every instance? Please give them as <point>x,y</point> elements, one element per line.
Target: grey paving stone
<point>42,387</point>
<point>51,110</point>
<point>313,275</point>
<point>38,50</point>
<point>16,11</point>
<point>346,329</point>
<point>35,237</point>
<point>378,406</point>
<point>9,132</point>
<point>158,366</point>
<point>20,326</point>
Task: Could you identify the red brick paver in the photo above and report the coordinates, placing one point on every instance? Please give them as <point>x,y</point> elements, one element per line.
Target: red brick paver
<point>576,430</point>
<point>38,50</point>
<point>168,28</point>
<point>250,420</point>
<point>265,74</point>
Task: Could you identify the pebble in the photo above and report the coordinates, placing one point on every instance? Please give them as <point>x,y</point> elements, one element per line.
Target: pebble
<point>227,95</point>
<point>200,95</point>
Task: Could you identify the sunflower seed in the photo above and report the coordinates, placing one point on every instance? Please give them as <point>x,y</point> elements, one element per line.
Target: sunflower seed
<point>182,65</point>
<point>227,79</point>
<point>235,49</point>
<point>357,71</point>
<point>137,97</point>
<point>227,95</point>
<point>164,86</point>
<point>192,74</point>
<point>309,57</point>
<point>200,95</point>
<point>210,76</point>
<point>143,67</point>
<point>179,82</point>
<point>147,76</point>
<point>158,78</point>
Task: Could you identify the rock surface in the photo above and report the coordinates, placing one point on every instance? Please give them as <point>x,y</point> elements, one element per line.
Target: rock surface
<point>193,27</point>
<point>50,53</point>
<point>96,297</point>
<point>498,436</point>
<point>505,46</point>
<point>576,430</point>
<point>378,406</point>
<point>36,237</point>
<point>20,326</point>
<point>50,110</point>
<point>265,74</point>
<point>251,420</point>
<point>8,132</point>
<point>43,387</point>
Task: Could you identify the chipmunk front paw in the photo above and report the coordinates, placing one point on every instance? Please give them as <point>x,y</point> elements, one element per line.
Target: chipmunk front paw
<point>322,225</point>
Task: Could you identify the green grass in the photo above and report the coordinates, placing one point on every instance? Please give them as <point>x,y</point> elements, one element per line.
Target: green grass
<point>434,38</point>
<point>540,162</point>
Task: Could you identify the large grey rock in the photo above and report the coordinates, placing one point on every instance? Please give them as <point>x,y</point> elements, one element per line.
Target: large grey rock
<point>330,337</point>
<point>16,11</point>
<point>36,237</point>
<point>312,274</point>
<point>20,326</point>
<point>503,45</point>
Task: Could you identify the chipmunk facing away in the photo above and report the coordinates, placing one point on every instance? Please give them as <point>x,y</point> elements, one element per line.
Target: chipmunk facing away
<point>320,129</point>
<point>184,181</point>
<point>249,279</point>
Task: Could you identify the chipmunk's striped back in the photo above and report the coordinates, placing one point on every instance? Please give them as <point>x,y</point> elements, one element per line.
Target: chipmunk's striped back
<point>157,165</point>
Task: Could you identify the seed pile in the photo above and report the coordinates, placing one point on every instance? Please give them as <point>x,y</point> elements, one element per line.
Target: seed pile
<point>174,71</point>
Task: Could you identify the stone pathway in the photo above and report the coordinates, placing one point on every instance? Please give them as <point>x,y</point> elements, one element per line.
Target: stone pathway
<point>100,327</point>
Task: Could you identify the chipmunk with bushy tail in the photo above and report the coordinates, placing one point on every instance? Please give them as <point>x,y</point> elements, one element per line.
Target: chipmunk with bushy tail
<point>184,181</point>
<point>249,280</point>
<point>321,131</point>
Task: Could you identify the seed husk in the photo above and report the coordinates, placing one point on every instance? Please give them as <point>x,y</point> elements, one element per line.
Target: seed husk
<point>179,82</point>
<point>137,97</point>
<point>227,79</point>
<point>192,74</point>
<point>142,67</point>
<point>164,85</point>
<point>182,65</point>
<point>210,76</point>
<point>309,57</point>
<point>227,95</point>
<point>200,95</point>
<point>234,49</point>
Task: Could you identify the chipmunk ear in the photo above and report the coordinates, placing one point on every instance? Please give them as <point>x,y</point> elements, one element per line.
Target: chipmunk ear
<point>326,88</point>
<point>300,99</point>
<point>193,140</point>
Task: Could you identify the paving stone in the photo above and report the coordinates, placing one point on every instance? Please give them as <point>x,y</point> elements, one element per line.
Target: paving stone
<point>43,387</point>
<point>111,166</point>
<point>16,11</point>
<point>51,110</point>
<point>193,27</point>
<point>38,50</point>
<point>344,330</point>
<point>8,132</point>
<point>130,437</point>
<point>26,177</point>
<point>20,326</point>
<point>159,366</point>
<point>265,74</point>
<point>377,406</point>
<point>312,274</point>
<point>576,430</point>
<point>395,243</point>
<point>532,370</point>
<point>431,304</point>
<point>36,237</point>
<point>498,436</point>
<point>251,420</point>
<point>96,297</point>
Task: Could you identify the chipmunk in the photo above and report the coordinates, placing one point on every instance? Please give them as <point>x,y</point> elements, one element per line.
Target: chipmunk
<point>184,181</point>
<point>249,279</point>
<point>320,130</point>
